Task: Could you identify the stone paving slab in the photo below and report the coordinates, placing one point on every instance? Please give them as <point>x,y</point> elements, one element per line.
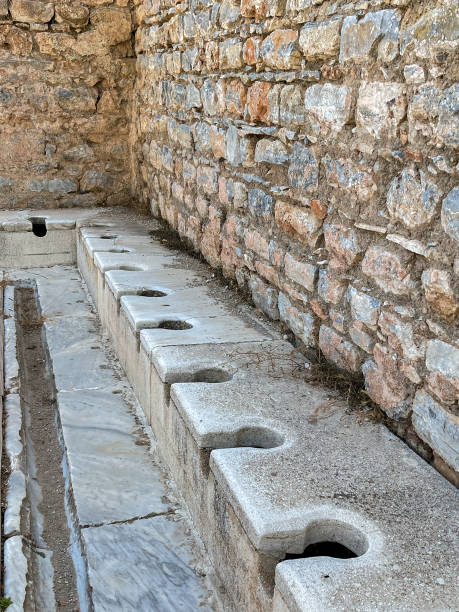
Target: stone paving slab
<point>152,554</point>
<point>111,469</point>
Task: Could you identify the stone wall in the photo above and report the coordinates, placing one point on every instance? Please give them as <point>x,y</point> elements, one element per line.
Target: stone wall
<point>306,148</point>
<point>66,76</point>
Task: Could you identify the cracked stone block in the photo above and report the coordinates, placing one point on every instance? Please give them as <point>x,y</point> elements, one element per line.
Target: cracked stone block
<point>359,36</point>
<point>143,564</point>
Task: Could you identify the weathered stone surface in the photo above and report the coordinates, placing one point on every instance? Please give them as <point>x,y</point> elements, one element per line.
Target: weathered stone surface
<point>414,74</point>
<point>364,308</point>
<point>303,172</point>
<point>400,336</point>
<point>413,201</point>
<point>3,8</point>
<point>438,290</point>
<point>450,214</point>
<point>260,103</point>
<point>338,350</point>
<point>434,32</point>
<point>280,50</point>
<point>53,186</point>
<point>291,106</point>
<point>380,108</point>
<point>301,272</point>
<point>385,383</point>
<point>94,180</point>
<point>437,427</point>
<point>76,15</point>
<point>358,37</point>
<point>389,269</point>
<point>260,203</point>
<point>343,245</point>
<point>31,11</point>
<point>300,223</point>
<point>19,42</point>
<point>264,297</point>
<point>320,40</point>
<point>230,54</point>
<point>329,104</point>
<point>329,288</point>
<point>432,114</point>
<point>302,324</point>
<point>442,361</point>
<point>271,152</point>
<point>350,177</point>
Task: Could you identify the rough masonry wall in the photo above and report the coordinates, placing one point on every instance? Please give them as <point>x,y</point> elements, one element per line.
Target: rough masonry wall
<point>307,148</point>
<point>66,77</point>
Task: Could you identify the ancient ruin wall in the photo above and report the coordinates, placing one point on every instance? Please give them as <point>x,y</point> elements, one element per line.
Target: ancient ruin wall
<point>66,75</point>
<point>306,148</point>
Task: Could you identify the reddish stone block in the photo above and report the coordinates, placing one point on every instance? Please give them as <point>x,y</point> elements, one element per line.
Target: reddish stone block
<point>235,97</point>
<point>251,50</point>
<point>298,222</point>
<point>319,209</point>
<point>386,384</point>
<point>255,242</point>
<point>389,269</point>
<point>343,246</point>
<point>267,272</point>
<point>258,107</point>
<point>280,50</point>
<point>254,9</point>
<point>339,351</point>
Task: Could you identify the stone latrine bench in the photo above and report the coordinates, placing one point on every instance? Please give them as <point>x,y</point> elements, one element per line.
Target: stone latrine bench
<point>301,503</point>
<point>267,464</point>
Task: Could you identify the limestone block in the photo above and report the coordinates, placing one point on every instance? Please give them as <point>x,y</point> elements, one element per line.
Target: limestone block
<point>389,269</point>
<point>413,200</point>
<point>439,293</point>
<point>320,40</point>
<point>329,104</point>
<point>380,108</point>
<point>299,222</point>
<point>302,324</point>
<point>358,37</point>
<point>31,11</point>
<point>303,172</point>
<point>364,307</point>
<point>271,151</point>
<point>280,50</point>
<point>343,245</point>
<point>76,15</point>
<point>437,427</point>
<point>442,361</point>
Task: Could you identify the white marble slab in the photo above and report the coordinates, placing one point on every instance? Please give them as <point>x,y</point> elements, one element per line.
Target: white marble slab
<point>143,567</point>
